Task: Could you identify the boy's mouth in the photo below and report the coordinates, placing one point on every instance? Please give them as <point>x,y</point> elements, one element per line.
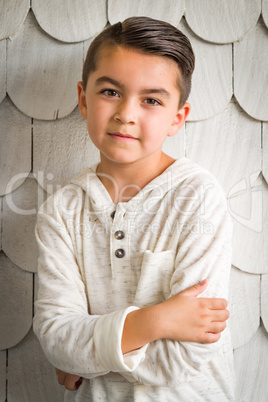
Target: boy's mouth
<point>122,137</point>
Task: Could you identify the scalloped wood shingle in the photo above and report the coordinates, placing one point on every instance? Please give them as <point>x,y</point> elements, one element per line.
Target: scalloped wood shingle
<point>251,369</point>
<point>265,152</point>
<point>70,21</point>
<point>244,306</point>
<point>19,218</point>
<point>251,72</point>
<point>214,144</point>
<point>42,73</point>
<point>1,219</point>
<point>12,15</point>
<point>2,375</point>
<point>61,150</point>
<point>168,10</point>
<point>16,298</point>
<point>174,146</point>
<point>30,376</point>
<point>249,209</point>
<point>222,21</point>
<point>212,78</point>
<point>265,11</point>
<point>264,300</point>
<point>2,70</point>
<point>15,150</point>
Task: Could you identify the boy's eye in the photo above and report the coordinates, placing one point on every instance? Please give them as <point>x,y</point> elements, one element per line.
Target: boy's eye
<point>152,101</point>
<point>110,92</point>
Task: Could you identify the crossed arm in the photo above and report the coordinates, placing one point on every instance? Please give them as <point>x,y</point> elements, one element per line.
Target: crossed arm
<point>183,317</point>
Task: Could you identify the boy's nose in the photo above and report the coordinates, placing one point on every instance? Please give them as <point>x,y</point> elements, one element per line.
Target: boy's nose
<point>125,113</point>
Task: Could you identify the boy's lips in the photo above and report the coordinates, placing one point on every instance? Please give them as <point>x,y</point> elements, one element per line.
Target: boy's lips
<point>121,136</point>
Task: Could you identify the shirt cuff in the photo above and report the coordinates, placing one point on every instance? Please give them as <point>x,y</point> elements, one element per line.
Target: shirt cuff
<point>107,338</point>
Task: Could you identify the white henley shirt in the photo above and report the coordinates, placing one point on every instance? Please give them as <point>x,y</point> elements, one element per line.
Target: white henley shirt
<point>99,261</point>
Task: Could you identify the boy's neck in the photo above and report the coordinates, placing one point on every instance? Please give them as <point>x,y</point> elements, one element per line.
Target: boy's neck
<point>124,181</point>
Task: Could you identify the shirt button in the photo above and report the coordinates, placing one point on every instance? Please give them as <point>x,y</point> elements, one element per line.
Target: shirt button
<point>112,214</point>
<point>120,253</point>
<point>119,235</point>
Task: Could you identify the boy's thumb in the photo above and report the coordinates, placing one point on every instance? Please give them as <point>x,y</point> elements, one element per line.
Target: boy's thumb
<point>195,290</point>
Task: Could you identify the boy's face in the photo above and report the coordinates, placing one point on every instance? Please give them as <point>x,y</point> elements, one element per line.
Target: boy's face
<point>131,104</point>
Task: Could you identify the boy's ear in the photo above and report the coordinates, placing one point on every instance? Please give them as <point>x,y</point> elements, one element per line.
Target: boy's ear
<point>82,99</point>
<point>179,120</point>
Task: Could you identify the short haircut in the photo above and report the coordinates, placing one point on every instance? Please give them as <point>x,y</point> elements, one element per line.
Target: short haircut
<point>147,36</point>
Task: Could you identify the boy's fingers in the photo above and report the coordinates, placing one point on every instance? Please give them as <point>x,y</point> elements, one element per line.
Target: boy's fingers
<point>71,382</point>
<point>195,290</point>
<point>218,304</point>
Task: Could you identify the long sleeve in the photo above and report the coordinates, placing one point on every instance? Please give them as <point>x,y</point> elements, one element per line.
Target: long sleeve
<point>70,337</point>
<point>204,251</point>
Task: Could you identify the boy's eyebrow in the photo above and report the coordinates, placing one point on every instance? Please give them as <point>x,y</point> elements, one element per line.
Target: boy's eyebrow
<point>110,80</point>
<point>144,91</point>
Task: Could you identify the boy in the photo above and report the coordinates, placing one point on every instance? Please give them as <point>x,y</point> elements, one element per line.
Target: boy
<point>127,246</point>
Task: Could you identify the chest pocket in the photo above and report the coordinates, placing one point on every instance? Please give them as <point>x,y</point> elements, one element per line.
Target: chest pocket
<point>154,283</point>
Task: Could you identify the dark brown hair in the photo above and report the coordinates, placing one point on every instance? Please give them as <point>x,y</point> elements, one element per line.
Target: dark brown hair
<point>148,36</point>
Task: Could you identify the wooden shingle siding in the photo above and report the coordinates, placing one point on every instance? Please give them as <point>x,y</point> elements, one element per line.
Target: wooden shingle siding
<point>19,213</point>
<point>12,15</point>
<point>244,305</point>
<point>2,375</point>
<point>17,297</point>
<point>228,144</point>
<point>44,142</point>
<point>15,150</point>
<point>265,152</point>
<point>222,21</point>
<point>251,72</point>
<point>2,70</point>
<point>250,212</point>
<point>264,298</point>
<point>51,161</point>
<point>212,78</point>
<point>70,21</point>
<point>251,368</point>
<point>31,379</point>
<point>45,88</point>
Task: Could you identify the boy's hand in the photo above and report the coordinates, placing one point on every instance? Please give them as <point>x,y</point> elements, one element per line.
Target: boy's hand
<point>71,381</point>
<point>189,318</point>
<point>183,317</point>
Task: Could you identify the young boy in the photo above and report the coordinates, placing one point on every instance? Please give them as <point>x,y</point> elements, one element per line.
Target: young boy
<point>128,245</point>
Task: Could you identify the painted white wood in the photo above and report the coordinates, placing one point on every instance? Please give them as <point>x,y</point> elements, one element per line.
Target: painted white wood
<point>228,144</point>
<point>212,77</point>
<point>174,146</point>
<point>42,73</point>
<point>264,300</point>
<point>19,218</point>
<point>62,148</point>
<point>169,10</point>
<point>2,376</point>
<point>265,152</point>
<point>15,150</point>
<point>244,306</point>
<point>251,72</point>
<point>30,376</point>
<point>12,15</point>
<point>70,21</point>
<point>265,11</point>
<point>1,218</point>
<point>2,70</point>
<point>16,303</point>
<point>222,21</point>
<point>251,369</point>
<point>249,210</point>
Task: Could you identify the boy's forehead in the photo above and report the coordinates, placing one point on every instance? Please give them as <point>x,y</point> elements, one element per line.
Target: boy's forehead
<point>129,57</point>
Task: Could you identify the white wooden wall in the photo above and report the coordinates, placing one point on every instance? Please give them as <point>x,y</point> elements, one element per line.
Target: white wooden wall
<point>44,143</point>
